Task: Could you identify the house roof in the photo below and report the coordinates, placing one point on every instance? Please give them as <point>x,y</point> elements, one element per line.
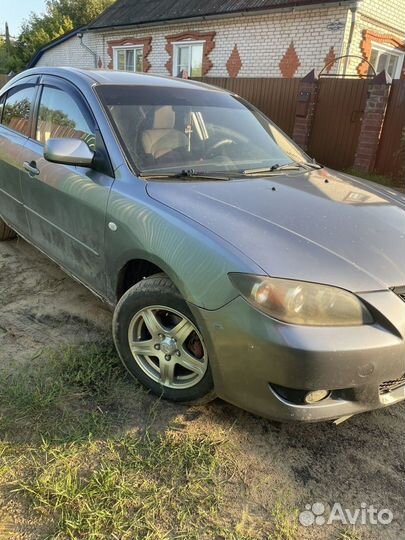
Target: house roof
<point>144,12</point>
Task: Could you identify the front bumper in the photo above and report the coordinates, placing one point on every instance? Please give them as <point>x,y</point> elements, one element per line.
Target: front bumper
<point>250,352</point>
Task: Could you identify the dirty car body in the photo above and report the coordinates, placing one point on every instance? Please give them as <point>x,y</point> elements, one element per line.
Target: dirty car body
<point>292,275</point>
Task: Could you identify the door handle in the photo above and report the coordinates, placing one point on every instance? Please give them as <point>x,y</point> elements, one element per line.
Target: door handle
<point>31,168</point>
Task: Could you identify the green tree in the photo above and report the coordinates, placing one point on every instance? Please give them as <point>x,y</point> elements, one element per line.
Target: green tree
<point>78,11</point>
<point>3,56</point>
<point>36,33</point>
<point>61,16</point>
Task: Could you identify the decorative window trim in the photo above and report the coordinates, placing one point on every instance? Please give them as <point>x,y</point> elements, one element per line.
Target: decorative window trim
<point>382,48</point>
<point>371,38</point>
<point>127,43</point>
<point>208,40</point>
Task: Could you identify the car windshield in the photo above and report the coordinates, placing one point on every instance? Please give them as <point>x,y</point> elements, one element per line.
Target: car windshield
<point>172,130</point>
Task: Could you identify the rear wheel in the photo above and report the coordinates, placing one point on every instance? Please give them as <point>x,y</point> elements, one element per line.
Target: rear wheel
<point>5,232</point>
<point>159,342</point>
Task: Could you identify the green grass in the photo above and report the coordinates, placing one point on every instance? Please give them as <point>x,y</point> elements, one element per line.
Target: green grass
<point>78,463</point>
<point>285,522</point>
<point>131,487</point>
<point>350,534</point>
<point>66,396</point>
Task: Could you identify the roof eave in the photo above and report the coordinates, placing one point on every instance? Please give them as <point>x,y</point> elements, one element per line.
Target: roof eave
<point>215,16</point>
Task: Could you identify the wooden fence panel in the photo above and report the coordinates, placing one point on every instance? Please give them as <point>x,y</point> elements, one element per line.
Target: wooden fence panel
<point>274,97</point>
<point>337,122</point>
<point>390,157</point>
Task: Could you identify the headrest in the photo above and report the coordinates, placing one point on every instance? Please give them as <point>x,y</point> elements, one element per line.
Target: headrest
<point>164,118</point>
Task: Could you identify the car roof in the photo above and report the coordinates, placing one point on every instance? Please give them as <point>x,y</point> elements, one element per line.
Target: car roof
<point>102,76</point>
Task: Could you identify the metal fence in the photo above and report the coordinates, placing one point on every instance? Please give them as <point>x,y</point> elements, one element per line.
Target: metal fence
<point>337,123</point>
<point>275,97</point>
<point>391,151</point>
<point>338,117</point>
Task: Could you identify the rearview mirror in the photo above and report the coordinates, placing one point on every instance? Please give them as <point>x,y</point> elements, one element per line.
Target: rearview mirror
<point>68,152</point>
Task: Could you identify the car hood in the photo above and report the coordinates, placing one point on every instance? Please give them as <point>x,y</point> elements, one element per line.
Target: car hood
<point>320,226</point>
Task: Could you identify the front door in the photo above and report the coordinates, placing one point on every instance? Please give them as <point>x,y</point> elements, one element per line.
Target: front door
<point>66,205</point>
<point>15,116</point>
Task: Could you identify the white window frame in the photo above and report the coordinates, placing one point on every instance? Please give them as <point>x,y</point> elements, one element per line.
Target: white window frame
<point>184,43</point>
<point>126,48</point>
<point>381,48</point>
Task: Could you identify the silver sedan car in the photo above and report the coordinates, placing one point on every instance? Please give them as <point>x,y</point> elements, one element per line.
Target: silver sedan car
<point>236,266</point>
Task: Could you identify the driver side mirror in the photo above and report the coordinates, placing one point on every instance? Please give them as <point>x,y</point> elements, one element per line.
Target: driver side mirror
<point>68,152</point>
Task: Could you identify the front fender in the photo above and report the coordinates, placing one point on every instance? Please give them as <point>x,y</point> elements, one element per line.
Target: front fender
<point>196,259</point>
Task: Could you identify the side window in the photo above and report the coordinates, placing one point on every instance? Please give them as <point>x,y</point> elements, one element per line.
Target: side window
<point>17,108</point>
<point>189,59</point>
<point>60,116</point>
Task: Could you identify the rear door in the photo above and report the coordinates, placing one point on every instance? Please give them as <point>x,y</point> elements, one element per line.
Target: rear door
<point>16,107</point>
<point>66,205</point>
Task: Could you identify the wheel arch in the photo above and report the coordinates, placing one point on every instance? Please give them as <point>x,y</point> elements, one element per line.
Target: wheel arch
<point>139,267</point>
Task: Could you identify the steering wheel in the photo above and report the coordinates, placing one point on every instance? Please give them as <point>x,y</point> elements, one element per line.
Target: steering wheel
<point>175,155</point>
<point>215,148</point>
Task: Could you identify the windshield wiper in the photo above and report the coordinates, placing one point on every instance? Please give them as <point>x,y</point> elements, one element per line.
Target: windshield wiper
<point>187,174</point>
<point>311,164</point>
<point>273,168</point>
<point>294,166</point>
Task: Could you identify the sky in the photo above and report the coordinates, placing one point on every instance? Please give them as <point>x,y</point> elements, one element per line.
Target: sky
<point>15,11</point>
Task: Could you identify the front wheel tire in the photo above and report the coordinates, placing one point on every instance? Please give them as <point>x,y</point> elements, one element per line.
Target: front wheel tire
<point>5,232</point>
<point>160,344</point>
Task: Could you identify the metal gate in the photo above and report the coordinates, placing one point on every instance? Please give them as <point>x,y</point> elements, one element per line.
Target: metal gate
<point>337,122</point>
<point>390,158</point>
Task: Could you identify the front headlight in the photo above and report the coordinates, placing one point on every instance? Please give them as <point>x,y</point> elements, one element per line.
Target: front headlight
<point>299,302</point>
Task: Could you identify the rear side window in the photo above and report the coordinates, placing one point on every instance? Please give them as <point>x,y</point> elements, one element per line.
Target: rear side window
<point>61,116</point>
<point>17,109</point>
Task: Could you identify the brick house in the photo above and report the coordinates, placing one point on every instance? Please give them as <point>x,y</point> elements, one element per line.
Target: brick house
<point>242,38</point>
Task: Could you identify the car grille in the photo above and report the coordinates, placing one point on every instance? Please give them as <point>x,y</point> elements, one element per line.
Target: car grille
<point>389,386</point>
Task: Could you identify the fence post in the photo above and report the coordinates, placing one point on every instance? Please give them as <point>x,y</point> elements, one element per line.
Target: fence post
<point>305,109</point>
<point>373,122</point>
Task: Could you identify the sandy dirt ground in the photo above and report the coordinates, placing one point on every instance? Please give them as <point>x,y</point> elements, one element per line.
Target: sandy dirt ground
<point>360,461</point>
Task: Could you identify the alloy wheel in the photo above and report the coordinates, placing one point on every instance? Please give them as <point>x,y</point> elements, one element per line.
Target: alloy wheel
<point>168,347</point>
